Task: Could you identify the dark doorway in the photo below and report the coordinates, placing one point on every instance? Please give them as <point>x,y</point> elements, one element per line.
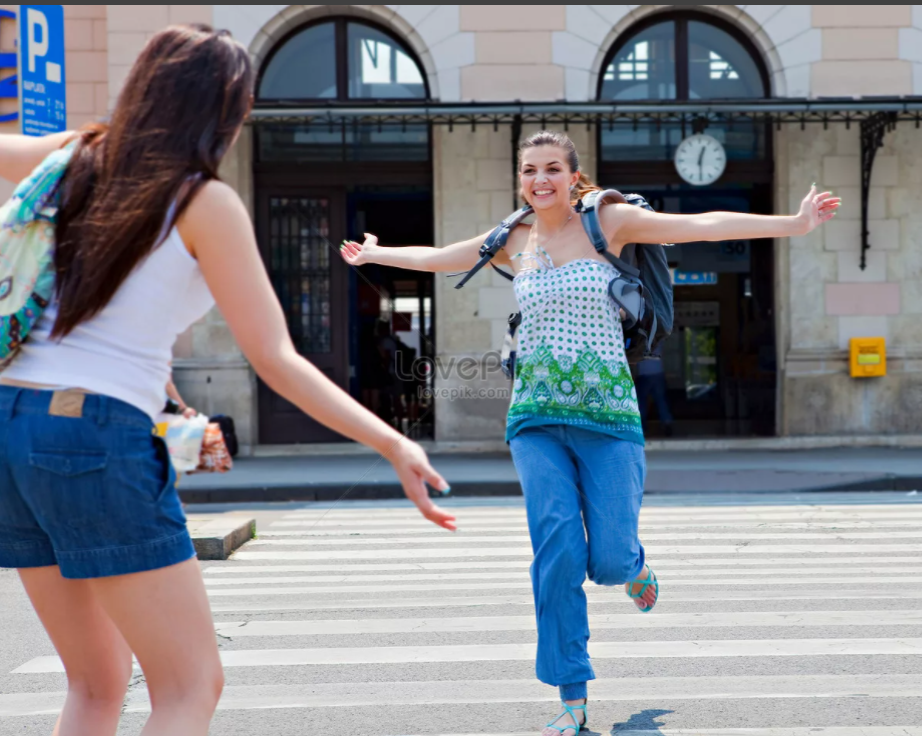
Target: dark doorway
<point>318,184</point>
<point>365,328</point>
<point>392,326</point>
<point>720,364</point>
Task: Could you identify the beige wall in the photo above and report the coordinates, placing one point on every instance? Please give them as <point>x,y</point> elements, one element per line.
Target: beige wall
<point>861,50</point>
<point>130,27</point>
<point>830,299</point>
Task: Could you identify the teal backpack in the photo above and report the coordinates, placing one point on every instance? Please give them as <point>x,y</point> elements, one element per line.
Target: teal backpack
<point>27,227</point>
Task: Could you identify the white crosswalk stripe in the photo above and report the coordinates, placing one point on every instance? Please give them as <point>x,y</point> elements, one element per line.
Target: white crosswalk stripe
<point>342,601</point>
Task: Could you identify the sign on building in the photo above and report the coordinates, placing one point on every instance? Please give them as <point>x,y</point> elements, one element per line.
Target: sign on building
<point>8,63</point>
<point>42,90</point>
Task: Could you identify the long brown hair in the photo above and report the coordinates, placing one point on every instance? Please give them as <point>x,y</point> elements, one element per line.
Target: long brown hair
<point>179,112</point>
<point>561,140</point>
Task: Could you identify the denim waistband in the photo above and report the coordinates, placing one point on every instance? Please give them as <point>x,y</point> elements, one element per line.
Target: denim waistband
<point>101,409</point>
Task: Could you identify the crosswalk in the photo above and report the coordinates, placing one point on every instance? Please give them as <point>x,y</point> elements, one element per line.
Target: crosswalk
<point>797,619</point>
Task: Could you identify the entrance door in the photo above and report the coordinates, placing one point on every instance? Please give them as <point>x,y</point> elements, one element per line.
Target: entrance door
<point>720,362</point>
<point>298,230</point>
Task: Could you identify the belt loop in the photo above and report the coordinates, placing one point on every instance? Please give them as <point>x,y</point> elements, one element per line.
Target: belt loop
<point>102,410</point>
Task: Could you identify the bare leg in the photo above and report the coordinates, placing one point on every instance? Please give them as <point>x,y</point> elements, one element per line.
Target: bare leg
<point>165,617</point>
<point>95,655</point>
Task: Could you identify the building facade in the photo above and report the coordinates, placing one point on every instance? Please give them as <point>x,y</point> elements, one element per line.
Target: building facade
<point>403,120</point>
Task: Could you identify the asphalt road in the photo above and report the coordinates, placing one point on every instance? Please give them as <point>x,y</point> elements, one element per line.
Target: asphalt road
<point>780,615</point>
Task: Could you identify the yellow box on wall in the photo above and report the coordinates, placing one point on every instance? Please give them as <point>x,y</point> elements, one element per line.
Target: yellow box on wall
<point>868,357</point>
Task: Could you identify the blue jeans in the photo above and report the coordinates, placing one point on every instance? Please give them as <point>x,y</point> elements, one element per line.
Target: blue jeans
<point>86,486</point>
<point>583,493</point>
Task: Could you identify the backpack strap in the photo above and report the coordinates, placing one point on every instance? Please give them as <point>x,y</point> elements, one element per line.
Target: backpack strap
<point>505,274</point>
<point>495,242</point>
<point>588,207</point>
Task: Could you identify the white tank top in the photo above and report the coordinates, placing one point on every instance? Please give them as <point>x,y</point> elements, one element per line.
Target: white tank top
<point>125,350</point>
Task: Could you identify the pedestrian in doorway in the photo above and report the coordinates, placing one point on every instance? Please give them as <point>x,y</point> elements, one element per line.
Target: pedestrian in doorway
<point>651,383</point>
<point>574,424</point>
<point>147,239</point>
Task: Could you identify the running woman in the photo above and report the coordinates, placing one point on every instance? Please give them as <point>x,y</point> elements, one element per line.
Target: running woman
<point>574,425</point>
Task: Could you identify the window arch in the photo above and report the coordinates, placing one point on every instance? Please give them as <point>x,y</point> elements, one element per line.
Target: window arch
<point>341,60</point>
<point>683,56</point>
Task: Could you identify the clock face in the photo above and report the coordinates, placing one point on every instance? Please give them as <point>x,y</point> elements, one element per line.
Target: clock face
<point>700,159</point>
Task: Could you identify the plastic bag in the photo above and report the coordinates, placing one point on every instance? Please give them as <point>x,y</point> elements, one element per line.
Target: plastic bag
<point>184,439</point>
<point>215,457</point>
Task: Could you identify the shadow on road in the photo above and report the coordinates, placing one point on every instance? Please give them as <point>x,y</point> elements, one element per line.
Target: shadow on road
<point>645,722</point>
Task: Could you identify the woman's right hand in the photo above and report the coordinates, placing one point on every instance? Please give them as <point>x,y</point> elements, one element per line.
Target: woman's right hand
<point>414,470</point>
<point>356,254</point>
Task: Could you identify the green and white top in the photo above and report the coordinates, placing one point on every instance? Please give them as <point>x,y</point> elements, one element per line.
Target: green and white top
<point>571,367</point>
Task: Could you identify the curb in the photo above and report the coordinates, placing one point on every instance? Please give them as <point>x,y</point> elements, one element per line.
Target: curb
<point>217,538</point>
<point>371,492</point>
<point>281,494</point>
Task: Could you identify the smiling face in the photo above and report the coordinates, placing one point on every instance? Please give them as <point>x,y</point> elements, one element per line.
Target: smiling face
<point>546,177</point>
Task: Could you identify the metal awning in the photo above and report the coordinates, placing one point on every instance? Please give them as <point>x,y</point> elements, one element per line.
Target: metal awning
<point>875,116</point>
<point>777,111</point>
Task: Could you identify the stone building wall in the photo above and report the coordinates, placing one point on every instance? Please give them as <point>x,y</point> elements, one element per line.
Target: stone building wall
<point>473,53</point>
<point>830,299</point>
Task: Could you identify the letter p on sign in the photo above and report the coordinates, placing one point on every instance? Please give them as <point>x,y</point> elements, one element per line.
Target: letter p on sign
<point>37,24</point>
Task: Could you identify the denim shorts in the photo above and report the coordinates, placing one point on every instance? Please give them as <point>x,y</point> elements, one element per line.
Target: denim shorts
<point>85,485</point>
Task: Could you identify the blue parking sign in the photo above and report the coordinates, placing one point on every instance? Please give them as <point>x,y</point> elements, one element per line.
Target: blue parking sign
<point>42,90</point>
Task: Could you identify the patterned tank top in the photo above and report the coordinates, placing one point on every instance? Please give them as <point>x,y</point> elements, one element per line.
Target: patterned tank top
<point>570,364</point>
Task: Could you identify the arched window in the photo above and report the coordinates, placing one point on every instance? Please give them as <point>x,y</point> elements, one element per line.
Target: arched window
<point>338,61</point>
<point>341,60</point>
<point>683,57</point>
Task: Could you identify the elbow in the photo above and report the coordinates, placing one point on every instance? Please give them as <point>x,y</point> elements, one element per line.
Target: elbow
<point>271,362</point>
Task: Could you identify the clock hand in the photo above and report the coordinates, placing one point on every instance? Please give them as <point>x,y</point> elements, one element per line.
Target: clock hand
<point>701,165</point>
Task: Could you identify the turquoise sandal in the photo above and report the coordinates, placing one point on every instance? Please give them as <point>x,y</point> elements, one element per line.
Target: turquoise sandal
<point>651,580</point>
<point>571,711</point>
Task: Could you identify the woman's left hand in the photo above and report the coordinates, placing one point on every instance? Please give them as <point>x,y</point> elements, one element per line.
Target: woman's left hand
<point>817,209</point>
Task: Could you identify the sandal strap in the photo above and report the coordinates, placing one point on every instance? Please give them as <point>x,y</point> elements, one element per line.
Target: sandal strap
<point>569,710</point>
<point>651,580</point>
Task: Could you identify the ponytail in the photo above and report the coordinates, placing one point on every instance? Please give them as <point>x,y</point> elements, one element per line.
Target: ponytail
<point>583,187</point>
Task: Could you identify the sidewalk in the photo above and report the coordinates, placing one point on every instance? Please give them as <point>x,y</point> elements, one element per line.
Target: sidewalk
<point>267,479</point>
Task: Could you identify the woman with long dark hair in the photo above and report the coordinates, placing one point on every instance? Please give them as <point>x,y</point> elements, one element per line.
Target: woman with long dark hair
<point>147,240</point>
<point>574,425</point>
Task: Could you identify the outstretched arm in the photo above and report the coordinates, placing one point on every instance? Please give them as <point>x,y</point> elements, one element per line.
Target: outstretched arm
<point>624,223</point>
<point>458,257</point>
<point>217,230</point>
<point>20,154</point>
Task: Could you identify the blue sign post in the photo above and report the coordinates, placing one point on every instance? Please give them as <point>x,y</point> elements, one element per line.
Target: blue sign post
<point>42,91</point>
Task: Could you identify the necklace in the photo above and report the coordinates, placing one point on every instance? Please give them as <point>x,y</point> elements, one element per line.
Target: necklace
<point>553,237</point>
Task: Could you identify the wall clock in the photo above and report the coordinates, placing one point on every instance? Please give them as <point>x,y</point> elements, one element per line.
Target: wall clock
<point>700,159</point>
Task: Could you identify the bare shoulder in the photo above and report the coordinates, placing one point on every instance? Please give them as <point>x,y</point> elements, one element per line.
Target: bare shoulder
<point>213,198</point>
<point>615,215</point>
<point>214,210</point>
<point>614,211</point>
<point>518,239</point>
<point>213,205</point>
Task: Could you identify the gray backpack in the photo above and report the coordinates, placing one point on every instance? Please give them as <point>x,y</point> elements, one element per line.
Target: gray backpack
<point>642,289</point>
